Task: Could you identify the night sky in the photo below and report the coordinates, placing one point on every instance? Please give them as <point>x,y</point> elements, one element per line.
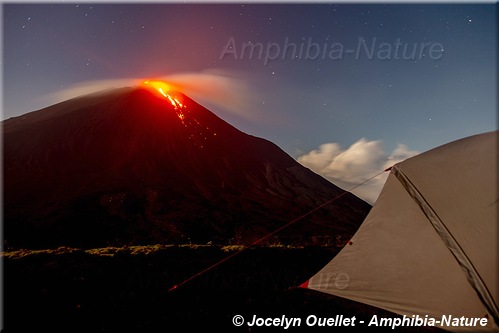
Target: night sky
<point>345,88</point>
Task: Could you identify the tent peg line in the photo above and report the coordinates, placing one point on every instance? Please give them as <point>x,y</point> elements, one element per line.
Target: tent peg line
<point>275,231</point>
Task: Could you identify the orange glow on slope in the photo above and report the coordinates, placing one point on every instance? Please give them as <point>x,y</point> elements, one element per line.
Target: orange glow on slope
<point>166,91</point>
<point>160,86</point>
<point>199,134</point>
<point>162,92</point>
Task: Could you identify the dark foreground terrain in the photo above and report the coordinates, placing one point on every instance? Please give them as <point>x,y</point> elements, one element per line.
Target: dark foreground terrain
<point>128,288</point>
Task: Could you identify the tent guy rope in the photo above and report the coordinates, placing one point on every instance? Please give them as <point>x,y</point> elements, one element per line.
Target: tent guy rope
<point>276,231</point>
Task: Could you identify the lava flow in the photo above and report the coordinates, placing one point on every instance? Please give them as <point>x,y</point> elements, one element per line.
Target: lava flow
<point>199,133</point>
<point>166,91</point>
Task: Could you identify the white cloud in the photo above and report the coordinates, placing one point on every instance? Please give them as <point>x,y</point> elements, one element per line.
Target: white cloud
<point>222,89</point>
<point>400,153</point>
<point>89,87</point>
<point>350,167</point>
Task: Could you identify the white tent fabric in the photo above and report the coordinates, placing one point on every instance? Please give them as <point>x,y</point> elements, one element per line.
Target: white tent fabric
<point>429,244</point>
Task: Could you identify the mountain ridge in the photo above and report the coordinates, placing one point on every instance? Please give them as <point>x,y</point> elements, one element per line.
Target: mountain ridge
<point>131,166</point>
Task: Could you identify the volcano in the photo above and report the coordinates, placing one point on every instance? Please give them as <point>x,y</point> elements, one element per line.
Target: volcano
<point>144,165</point>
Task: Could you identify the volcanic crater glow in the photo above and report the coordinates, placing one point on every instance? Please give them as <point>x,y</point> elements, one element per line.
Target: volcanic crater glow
<point>165,90</point>
<point>199,132</point>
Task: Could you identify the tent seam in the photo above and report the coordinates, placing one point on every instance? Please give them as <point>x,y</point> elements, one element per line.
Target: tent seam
<point>450,242</point>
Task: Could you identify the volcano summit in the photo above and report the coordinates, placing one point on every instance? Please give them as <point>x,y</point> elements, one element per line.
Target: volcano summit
<point>146,165</point>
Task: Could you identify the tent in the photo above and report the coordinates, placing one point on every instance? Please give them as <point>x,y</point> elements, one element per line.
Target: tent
<point>428,247</point>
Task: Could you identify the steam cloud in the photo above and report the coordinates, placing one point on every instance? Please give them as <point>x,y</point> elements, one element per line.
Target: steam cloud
<point>349,167</point>
<point>222,90</point>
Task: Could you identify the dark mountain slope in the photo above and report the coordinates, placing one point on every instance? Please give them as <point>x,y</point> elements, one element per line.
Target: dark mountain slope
<point>134,166</point>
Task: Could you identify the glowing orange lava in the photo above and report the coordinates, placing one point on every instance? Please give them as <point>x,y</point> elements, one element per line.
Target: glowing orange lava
<point>160,86</point>
<point>198,133</point>
<point>166,91</point>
